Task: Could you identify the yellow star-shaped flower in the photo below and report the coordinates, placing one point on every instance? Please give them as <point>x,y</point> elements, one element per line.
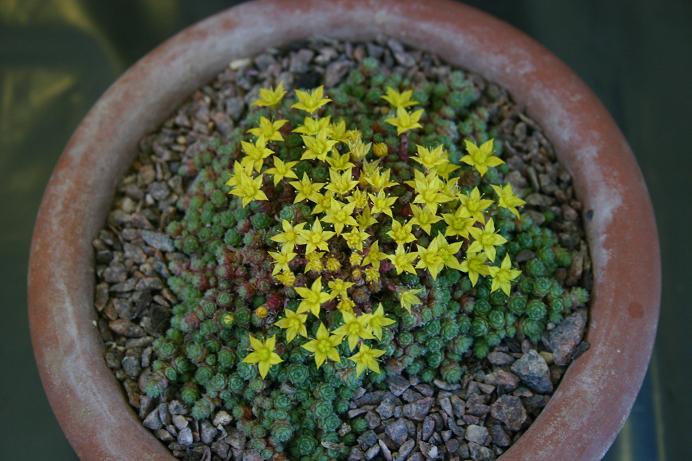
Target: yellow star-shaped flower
<point>314,238</point>
<point>305,188</point>
<point>409,298</point>
<point>431,159</point>
<point>448,251</point>
<point>431,258</point>
<point>357,149</point>
<point>281,170</point>
<point>324,346</point>
<point>322,202</point>
<point>377,179</point>
<point>270,97</point>
<point>486,239</point>
<point>282,258</point>
<point>249,189</point>
<point>310,101</point>
<point>506,198</point>
<point>473,205</point>
<point>294,324</point>
<point>268,130</point>
<point>340,215</point>
<point>405,121</point>
<point>341,183</point>
<point>481,158</point>
<point>403,260</point>
<point>475,266</point>
<point>381,203</point>
<point>338,131</point>
<point>263,354</point>
<point>503,276</point>
<point>338,287</point>
<point>354,328</point>
<point>458,224</point>
<point>399,100</point>
<point>365,219</point>
<point>359,198</point>
<point>377,320</point>
<point>255,153</point>
<point>366,359</point>
<point>355,238</point>
<point>313,126</point>
<point>424,218</point>
<point>374,255</point>
<point>430,189</point>
<point>317,147</point>
<point>402,233</point>
<point>289,236</point>
<point>340,161</point>
<point>312,298</point>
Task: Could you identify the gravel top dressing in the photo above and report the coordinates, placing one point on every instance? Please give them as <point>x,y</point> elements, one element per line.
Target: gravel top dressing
<point>363,273</point>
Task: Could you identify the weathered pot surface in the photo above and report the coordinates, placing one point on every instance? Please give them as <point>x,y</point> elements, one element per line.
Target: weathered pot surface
<point>597,391</point>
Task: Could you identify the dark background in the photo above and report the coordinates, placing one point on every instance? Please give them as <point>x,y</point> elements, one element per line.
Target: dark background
<point>57,57</point>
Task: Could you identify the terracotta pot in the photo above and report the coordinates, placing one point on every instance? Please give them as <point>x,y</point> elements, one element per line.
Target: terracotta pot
<point>597,391</point>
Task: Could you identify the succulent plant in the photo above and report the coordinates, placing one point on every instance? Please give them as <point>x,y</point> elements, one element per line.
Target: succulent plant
<point>285,306</point>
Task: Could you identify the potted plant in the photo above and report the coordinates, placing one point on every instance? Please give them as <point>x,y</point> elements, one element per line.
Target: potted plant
<point>393,265</point>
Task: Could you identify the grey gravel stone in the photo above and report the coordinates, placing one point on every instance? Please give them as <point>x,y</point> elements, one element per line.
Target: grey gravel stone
<point>384,449</point>
<point>373,451</point>
<point>386,408</point>
<point>131,366</point>
<point>419,409</point>
<point>500,358</point>
<point>411,395</point>
<point>446,405</point>
<point>404,450</point>
<point>335,72</point>
<point>176,407</point>
<point>480,453</point>
<point>499,436</point>
<point>356,454</point>
<point>126,328</point>
<point>429,450</point>
<point>367,439</point>
<point>163,435</point>
<point>157,240</point>
<point>179,421</point>
<point>533,371</point>
<point>235,108</point>
<point>564,338</point>
<point>503,380</point>
<point>458,406</point>
<point>152,421</point>
<point>509,410</point>
<point>427,428</point>
<point>185,436</point>
<point>452,445</point>
<point>397,430</point>
<point>398,384</point>
<point>477,434</point>
<point>372,419</point>
<point>207,432</point>
<point>446,386</point>
<point>222,418</point>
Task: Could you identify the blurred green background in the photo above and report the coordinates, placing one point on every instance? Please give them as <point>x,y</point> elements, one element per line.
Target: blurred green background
<point>58,56</point>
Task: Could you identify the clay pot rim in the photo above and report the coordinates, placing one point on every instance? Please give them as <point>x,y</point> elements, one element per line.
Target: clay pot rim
<point>596,394</point>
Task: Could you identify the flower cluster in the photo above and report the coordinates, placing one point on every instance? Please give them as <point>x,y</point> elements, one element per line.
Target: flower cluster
<point>357,199</point>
